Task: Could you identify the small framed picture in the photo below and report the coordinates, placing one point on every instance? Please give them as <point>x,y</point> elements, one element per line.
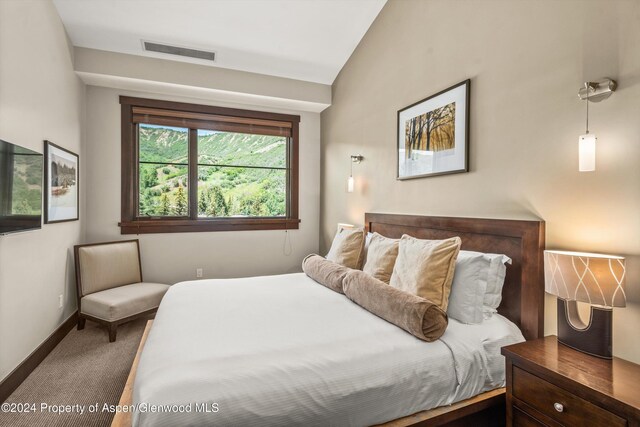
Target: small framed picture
<point>433,134</point>
<point>61,196</point>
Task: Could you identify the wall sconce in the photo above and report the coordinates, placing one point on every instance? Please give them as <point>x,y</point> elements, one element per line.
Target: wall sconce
<point>594,92</point>
<point>350,182</point>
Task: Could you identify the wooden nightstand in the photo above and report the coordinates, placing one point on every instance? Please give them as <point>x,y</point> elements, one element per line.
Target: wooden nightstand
<point>550,384</point>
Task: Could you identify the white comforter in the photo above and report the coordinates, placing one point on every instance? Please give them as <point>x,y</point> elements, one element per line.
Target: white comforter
<point>284,350</point>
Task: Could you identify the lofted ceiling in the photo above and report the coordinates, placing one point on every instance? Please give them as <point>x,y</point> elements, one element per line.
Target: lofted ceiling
<point>306,40</point>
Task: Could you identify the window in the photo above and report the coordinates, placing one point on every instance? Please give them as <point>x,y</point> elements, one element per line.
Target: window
<point>189,167</point>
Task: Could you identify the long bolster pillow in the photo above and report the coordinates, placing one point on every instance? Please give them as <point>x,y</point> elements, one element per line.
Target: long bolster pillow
<point>416,315</point>
<point>325,272</point>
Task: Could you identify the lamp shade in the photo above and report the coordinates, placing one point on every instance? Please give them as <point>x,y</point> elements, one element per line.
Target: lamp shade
<point>591,278</point>
<point>587,153</point>
<point>350,184</point>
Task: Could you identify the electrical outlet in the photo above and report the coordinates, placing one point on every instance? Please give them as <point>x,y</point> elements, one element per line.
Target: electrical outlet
<point>60,300</point>
<point>198,272</point>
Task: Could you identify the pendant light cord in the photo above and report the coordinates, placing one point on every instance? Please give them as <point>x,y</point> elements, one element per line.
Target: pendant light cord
<point>587,85</point>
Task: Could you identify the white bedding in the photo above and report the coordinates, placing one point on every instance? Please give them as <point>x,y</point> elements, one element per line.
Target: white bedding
<point>284,350</point>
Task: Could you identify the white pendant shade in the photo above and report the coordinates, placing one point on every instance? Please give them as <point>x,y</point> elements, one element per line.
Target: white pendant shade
<point>587,153</point>
<point>350,184</point>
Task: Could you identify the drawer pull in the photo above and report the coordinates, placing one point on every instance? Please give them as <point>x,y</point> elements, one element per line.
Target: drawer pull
<point>558,407</point>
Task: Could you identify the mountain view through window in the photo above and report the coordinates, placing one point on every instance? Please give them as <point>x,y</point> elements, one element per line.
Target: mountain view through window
<point>239,175</point>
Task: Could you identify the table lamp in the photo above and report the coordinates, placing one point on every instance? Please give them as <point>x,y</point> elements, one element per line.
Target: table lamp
<point>591,278</point>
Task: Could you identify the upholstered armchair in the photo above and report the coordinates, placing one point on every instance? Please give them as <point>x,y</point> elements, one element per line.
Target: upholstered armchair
<point>110,287</point>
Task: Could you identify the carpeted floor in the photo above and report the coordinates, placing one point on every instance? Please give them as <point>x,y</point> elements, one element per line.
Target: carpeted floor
<point>84,369</point>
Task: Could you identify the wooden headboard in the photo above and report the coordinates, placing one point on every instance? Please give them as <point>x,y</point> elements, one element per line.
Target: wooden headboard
<point>522,241</point>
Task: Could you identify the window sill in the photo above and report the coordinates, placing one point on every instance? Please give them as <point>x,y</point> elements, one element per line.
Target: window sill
<point>147,226</point>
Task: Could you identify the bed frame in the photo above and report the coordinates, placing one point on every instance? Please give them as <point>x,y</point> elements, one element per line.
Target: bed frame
<point>522,300</point>
<point>522,241</point>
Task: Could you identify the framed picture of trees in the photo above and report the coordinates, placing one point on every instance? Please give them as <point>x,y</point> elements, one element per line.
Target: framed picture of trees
<point>433,134</point>
<point>61,198</point>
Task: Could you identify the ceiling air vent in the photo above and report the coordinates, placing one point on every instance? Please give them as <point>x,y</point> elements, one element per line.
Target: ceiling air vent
<point>180,51</point>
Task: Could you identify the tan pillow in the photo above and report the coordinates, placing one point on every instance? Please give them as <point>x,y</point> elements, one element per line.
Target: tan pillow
<point>325,272</point>
<point>348,248</point>
<point>418,316</point>
<point>381,257</point>
<point>425,268</point>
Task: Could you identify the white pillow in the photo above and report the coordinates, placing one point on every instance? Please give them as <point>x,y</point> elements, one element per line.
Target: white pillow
<point>495,282</point>
<point>469,287</point>
<point>367,240</point>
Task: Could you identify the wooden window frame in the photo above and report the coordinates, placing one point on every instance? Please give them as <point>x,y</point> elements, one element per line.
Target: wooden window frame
<point>204,117</point>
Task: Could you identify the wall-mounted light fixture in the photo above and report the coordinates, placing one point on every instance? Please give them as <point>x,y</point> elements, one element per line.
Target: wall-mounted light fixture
<point>592,92</point>
<point>350,182</point>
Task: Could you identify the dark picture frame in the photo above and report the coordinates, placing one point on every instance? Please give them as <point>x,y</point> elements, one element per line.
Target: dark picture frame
<point>433,134</point>
<point>62,184</point>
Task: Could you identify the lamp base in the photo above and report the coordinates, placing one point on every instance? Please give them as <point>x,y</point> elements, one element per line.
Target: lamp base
<point>595,338</point>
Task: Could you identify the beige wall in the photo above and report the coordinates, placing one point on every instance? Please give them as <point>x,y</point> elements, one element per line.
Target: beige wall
<point>526,61</point>
<point>40,98</point>
<point>174,257</point>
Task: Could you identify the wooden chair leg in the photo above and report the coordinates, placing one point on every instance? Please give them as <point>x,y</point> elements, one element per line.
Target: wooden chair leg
<point>112,332</point>
<point>81,323</point>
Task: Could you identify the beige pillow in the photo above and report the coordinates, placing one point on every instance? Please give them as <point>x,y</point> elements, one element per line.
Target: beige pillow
<point>381,257</point>
<point>348,248</point>
<point>425,268</point>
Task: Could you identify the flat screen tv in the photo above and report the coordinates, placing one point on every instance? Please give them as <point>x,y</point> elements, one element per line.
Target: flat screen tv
<point>20,188</point>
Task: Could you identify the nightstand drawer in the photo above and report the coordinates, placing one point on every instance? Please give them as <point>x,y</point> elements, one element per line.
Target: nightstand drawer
<point>558,403</point>
<point>522,419</point>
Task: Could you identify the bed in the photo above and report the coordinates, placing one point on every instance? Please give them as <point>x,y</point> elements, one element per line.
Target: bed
<point>283,350</point>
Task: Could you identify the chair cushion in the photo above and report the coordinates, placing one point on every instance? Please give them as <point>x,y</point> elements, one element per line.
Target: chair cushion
<point>108,265</point>
<point>124,301</point>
